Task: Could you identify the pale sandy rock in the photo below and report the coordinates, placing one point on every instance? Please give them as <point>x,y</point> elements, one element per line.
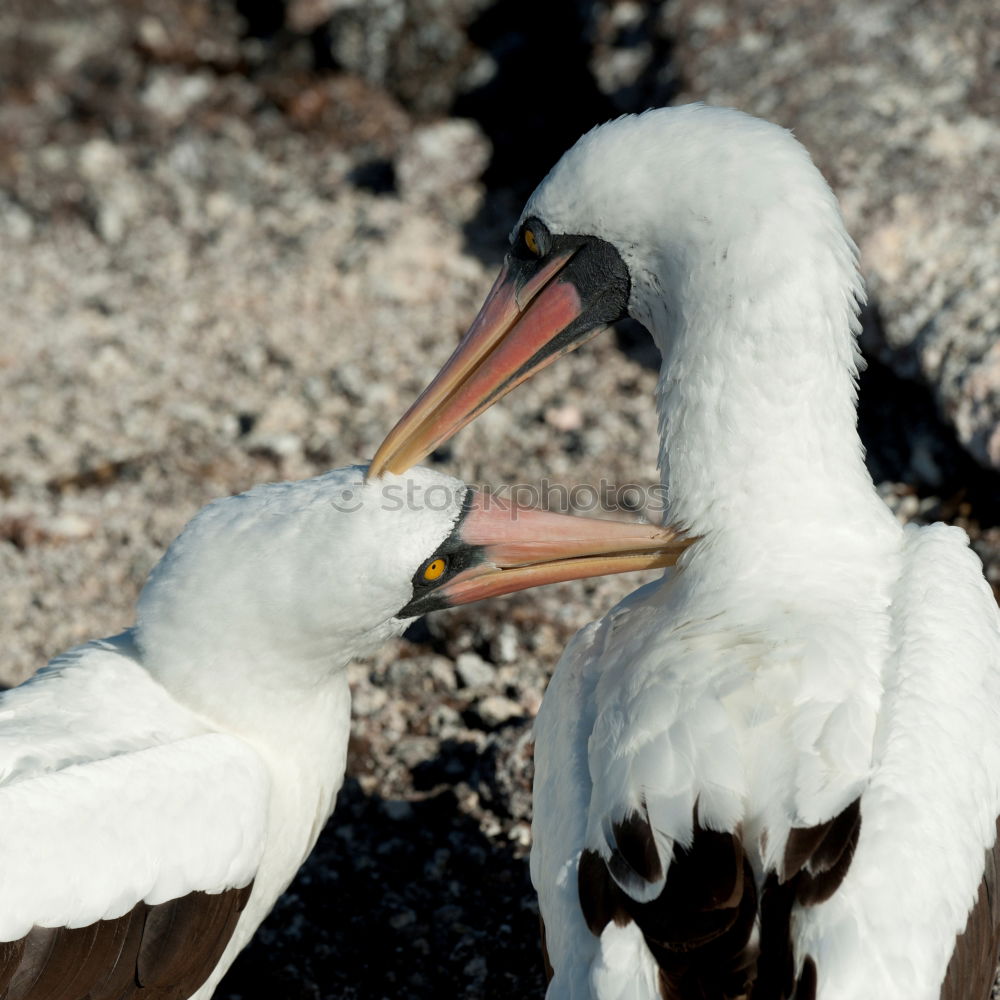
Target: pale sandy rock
<point>564,418</point>
<point>172,94</point>
<point>246,307</point>
<point>473,671</point>
<point>367,700</point>
<point>440,164</point>
<point>505,648</point>
<point>495,710</point>
<point>899,107</point>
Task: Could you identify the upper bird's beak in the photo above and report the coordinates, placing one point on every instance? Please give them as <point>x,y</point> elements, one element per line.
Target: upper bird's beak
<point>520,547</point>
<point>536,312</point>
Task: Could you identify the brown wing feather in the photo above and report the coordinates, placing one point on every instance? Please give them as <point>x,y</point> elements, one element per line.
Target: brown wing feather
<point>120,948</point>
<point>634,842</point>
<point>174,945</point>
<point>806,988</point>
<point>973,964</point>
<point>825,869</point>
<point>776,965</point>
<point>699,928</point>
<point>62,963</point>
<point>600,898</point>
<point>801,845</point>
<point>34,955</point>
<point>184,939</point>
<point>814,865</point>
<point>11,953</point>
<point>720,962</point>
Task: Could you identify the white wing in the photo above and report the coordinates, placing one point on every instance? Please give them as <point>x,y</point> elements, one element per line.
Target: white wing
<point>616,965</point>
<point>929,814</point>
<point>561,797</point>
<point>113,794</point>
<point>731,746</point>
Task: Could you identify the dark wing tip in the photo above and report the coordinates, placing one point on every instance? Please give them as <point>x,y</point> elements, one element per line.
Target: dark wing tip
<point>699,929</point>
<point>600,898</point>
<point>184,938</point>
<point>801,845</point>
<point>636,847</point>
<point>166,951</point>
<point>825,869</point>
<point>805,989</point>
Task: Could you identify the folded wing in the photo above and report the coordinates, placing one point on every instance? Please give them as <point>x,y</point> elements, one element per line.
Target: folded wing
<point>126,871</point>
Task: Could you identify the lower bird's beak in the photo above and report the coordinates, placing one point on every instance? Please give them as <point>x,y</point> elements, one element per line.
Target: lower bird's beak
<point>530,318</point>
<point>519,547</point>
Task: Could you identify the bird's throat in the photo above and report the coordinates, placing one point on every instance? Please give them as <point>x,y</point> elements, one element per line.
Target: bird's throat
<point>765,447</point>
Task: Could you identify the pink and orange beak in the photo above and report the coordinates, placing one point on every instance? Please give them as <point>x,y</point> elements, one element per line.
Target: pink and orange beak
<point>540,308</point>
<point>552,294</point>
<point>499,547</point>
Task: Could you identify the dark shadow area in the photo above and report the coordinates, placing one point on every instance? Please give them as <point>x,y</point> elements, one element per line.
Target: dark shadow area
<point>377,176</point>
<point>456,760</point>
<point>542,96</point>
<point>263,18</point>
<point>907,441</point>
<point>904,438</point>
<point>460,760</point>
<point>399,899</point>
<point>636,343</point>
<point>545,93</point>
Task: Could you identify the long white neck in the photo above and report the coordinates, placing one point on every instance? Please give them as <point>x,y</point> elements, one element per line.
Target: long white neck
<point>296,714</point>
<point>301,731</point>
<point>757,405</point>
<point>742,270</point>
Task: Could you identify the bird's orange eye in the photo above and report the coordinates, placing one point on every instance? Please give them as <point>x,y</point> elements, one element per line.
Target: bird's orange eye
<point>434,569</point>
<point>531,242</point>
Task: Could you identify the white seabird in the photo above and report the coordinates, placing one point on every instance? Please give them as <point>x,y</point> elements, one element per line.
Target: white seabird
<point>776,773</point>
<point>159,789</point>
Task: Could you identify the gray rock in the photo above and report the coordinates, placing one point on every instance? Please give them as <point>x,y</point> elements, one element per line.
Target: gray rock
<point>899,107</point>
<point>506,647</point>
<point>495,710</point>
<point>367,700</point>
<point>473,670</point>
<point>439,166</point>
<point>160,340</point>
<point>398,810</point>
<point>416,49</point>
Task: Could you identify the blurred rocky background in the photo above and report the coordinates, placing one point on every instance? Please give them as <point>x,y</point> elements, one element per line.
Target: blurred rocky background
<point>237,236</point>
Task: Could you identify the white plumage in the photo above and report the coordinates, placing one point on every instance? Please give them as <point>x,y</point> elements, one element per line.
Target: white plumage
<point>808,657</point>
<point>98,814</point>
<point>202,749</point>
<point>741,716</point>
<point>808,649</point>
<point>159,789</point>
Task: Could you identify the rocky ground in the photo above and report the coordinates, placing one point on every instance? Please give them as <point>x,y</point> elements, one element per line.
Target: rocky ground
<point>237,238</point>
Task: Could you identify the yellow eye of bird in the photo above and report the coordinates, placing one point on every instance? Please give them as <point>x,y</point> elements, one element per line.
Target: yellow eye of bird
<point>531,242</point>
<point>434,569</point>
